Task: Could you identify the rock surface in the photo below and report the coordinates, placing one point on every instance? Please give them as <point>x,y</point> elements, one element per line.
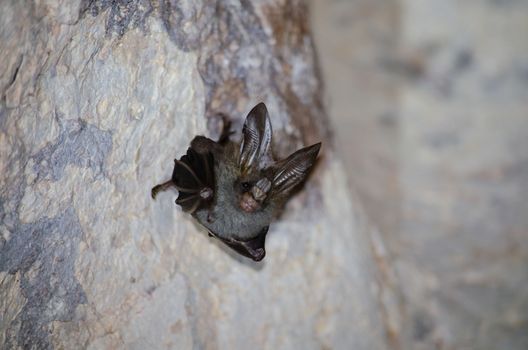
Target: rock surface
<point>97,98</point>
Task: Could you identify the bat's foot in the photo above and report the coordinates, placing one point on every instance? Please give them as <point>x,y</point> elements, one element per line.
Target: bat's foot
<point>226,129</point>
<point>161,187</point>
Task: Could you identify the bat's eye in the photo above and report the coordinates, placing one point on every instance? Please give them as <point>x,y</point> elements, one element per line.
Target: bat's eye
<point>246,186</point>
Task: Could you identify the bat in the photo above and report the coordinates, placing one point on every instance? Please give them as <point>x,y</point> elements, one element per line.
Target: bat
<point>235,189</point>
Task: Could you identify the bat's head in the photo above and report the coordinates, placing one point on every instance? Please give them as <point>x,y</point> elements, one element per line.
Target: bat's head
<point>262,180</point>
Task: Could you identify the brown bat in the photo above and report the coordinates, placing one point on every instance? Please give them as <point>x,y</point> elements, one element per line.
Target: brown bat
<point>235,189</point>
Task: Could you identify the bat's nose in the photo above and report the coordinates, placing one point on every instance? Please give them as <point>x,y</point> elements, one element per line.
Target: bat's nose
<point>248,203</point>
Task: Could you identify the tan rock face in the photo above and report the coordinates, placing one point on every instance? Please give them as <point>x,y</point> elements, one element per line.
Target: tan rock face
<point>97,99</point>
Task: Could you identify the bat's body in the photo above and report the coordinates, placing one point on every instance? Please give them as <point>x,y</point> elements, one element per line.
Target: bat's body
<point>234,190</point>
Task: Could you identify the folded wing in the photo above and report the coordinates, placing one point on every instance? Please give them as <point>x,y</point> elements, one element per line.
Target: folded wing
<point>193,177</point>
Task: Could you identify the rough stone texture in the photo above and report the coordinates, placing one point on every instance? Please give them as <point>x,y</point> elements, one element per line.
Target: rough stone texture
<point>430,106</point>
<point>97,98</point>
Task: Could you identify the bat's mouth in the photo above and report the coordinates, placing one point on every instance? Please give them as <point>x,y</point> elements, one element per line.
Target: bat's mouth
<point>253,248</point>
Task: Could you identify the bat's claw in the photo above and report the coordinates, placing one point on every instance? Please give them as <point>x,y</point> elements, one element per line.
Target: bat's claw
<point>154,191</point>
<point>226,129</point>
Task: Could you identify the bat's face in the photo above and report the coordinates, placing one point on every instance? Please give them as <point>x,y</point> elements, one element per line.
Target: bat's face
<point>234,190</point>
<point>235,216</point>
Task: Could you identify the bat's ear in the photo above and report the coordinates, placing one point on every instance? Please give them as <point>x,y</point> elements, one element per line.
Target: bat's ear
<point>293,170</point>
<point>256,138</point>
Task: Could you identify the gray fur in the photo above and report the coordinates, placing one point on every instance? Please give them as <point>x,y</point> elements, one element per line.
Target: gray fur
<point>229,221</point>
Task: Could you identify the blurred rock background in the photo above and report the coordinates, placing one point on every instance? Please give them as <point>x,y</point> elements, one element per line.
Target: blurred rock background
<point>429,101</point>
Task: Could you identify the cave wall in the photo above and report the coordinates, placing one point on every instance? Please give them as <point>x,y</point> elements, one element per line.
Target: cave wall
<point>97,99</point>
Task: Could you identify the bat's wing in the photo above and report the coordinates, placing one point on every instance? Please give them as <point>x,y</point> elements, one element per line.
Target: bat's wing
<point>253,248</point>
<point>193,176</point>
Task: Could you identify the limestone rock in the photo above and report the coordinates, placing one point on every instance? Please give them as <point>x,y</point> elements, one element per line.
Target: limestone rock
<point>97,98</point>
